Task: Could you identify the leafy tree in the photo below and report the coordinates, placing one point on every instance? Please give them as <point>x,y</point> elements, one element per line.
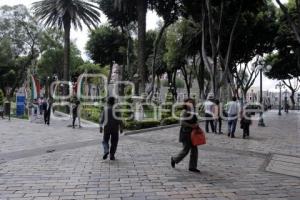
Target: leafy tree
<point>52,59</point>
<point>169,10</point>
<point>218,25</point>
<point>123,17</point>
<point>292,13</point>
<point>104,46</point>
<point>19,41</point>
<point>63,14</point>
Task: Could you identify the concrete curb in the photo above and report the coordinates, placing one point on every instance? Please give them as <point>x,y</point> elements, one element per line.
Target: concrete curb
<point>149,129</point>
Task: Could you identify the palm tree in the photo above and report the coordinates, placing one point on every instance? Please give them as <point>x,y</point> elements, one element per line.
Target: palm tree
<point>63,14</point>
<point>141,6</point>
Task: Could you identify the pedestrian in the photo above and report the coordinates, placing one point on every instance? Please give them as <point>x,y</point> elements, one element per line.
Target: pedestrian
<point>47,105</point>
<point>188,122</point>
<point>232,111</point>
<point>76,113</point>
<point>286,107</point>
<point>218,118</point>
<point>111,124</point>
<point>40,102</point>
<point>44,107</point>
<point>245,124</point>
<point>209,112</point>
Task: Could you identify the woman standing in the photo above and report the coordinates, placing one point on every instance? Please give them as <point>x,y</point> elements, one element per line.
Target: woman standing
<point>188,121</point>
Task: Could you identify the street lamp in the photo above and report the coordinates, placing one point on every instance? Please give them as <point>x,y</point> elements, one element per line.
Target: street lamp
<point>260,66</point>
<point>279,85</point>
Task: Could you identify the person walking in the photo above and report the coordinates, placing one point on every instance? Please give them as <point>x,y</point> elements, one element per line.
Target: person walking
<point>188,122</point>
<point>111,124</point>
<point>286,107</point>
<point>218,118</point>
<point>47,111</point>
<point>44,107</point>
<point>232,110</point>
<point>245,124</point>
<point>209,111</point>
<point>76,113</point>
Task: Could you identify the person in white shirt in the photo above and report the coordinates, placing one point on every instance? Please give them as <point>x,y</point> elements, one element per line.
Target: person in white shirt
<point>232,111</point>
<point>209,113</point>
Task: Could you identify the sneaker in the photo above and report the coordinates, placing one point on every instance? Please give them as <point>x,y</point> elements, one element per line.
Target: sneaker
<point>105,156</point>
<point>194,170</point>
<point>172,162</point>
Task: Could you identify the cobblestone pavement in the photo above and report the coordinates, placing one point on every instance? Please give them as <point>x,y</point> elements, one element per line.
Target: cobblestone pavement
<point>231,168</point>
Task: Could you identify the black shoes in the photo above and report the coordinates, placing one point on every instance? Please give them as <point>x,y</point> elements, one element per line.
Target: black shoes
<point>194,170</point>
<point>112,158</point>
<point>105,156</point>
<point>172,162</point>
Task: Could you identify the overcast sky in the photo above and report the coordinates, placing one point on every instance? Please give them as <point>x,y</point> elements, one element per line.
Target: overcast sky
<point>80,37</point>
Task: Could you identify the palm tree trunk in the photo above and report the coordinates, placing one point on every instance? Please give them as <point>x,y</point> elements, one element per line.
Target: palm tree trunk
<point>66,76</point>
<point>142,11</point>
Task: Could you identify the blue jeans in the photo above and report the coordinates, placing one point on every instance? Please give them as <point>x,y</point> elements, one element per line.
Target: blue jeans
<point>232,121</point>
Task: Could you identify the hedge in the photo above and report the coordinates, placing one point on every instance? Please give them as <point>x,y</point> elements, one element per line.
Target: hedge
<point>134,125</point>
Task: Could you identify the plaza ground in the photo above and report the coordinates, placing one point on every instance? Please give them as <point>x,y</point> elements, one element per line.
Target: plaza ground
<point>58,162</point>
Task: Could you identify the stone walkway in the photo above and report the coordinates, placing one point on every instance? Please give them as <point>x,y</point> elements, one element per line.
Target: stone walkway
<point>58,162</point>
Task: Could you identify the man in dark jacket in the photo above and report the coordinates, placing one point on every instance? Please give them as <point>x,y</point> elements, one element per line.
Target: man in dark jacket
<point>111,123</point>
<point>47,111</point>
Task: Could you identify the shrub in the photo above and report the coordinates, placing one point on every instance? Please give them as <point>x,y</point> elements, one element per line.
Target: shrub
<point>135,125</point>
<point>169,121</point>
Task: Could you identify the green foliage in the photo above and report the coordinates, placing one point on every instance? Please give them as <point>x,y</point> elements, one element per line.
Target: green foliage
<point>167,106</point>
<point>105,44</point>
<point>92,68</point>
<point>136,125</point>
<point>19,34</point>
<point>64,13</point>
<point>52,60</point>
<point>119,15</point>
<point>179,83</point>
<point>91,113</point>
<point>286,60</point>
<point>169,121</point>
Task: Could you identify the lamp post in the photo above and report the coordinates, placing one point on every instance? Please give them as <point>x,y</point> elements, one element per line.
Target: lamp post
<point>260,67</point>
<point>279,85</point>
<point>261,120</point>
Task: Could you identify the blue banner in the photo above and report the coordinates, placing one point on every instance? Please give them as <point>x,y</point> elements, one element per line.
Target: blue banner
<point>20,105</point>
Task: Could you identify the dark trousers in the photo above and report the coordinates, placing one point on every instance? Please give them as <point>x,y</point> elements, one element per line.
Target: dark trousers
<point>246,130</point>
<point>114,139</point>
<point>210,121</point>
<point>47,116</point>
<point>74,119</point>
<point>187,146</point>
<point>218,122</point>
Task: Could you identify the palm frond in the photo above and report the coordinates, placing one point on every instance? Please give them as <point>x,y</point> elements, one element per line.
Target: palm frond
<point>59,12</point>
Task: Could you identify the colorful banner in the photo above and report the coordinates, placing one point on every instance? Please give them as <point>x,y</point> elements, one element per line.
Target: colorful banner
<point>35,87</point>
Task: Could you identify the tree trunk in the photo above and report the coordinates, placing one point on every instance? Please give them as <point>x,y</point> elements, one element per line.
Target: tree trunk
<point>66,76</point>
<point>67,28</point>
<point>293,99</point>
<point>155,49</point>
<point>141,12</point>
<point>110,73</point>
<point>186,80</point>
